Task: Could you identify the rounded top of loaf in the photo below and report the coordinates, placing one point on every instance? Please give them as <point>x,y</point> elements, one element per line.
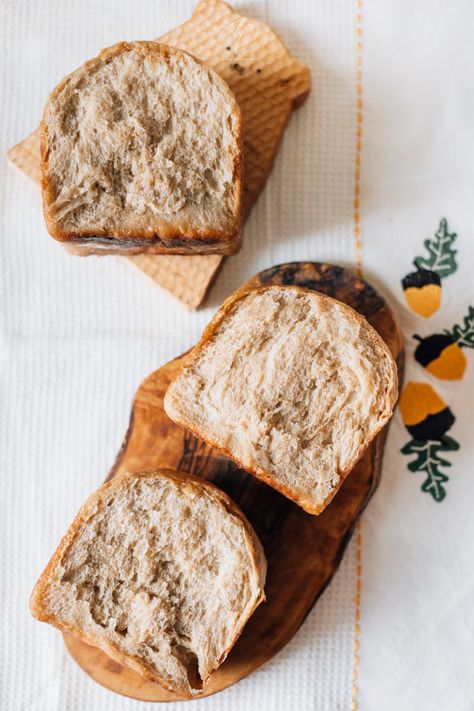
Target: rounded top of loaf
<point>291,384</point>
<point>142,145</point>
<point>133,573</point>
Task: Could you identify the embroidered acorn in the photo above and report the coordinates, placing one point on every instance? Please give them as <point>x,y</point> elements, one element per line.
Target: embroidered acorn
<point>425,415</point>
<point>422,291</point>
<point>422,288</point>
<point>441,353</point>
<point>427,418</point>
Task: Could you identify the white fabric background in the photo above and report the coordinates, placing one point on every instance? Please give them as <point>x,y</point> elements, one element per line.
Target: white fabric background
<point>78,335</point>
<point>418,166</point>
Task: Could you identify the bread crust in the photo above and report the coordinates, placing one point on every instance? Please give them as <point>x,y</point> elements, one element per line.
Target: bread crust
<point>38,607</point>
<point>226,310</point>
<point>169,238</point>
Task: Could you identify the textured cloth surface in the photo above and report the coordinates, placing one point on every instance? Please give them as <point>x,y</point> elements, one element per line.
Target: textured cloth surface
<point>79,335</point>
<point>417,631</point>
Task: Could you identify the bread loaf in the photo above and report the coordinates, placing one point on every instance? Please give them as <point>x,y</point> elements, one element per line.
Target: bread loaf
<point>141,152</point>
<point>161,570</point>
<point>290,384</point>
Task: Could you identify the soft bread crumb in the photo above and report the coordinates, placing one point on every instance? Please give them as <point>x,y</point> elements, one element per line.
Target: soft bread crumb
<point>291,384</point>
<point>142,142</point>
<point>134,573</point>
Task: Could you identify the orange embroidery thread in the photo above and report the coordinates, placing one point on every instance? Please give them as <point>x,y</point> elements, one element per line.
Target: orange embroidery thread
<point>357,604</point>
<point>358,250</point>
<point>357,235</point>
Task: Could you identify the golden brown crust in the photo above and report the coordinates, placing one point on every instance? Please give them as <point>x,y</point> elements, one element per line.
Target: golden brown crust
<point>170,238</point>
<point>209,332</point>
<point>38,607</point>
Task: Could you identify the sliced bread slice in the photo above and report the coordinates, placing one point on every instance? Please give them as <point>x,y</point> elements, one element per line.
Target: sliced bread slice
<point>161,570</point>
<point>141,152</point>
<point>290,384</point>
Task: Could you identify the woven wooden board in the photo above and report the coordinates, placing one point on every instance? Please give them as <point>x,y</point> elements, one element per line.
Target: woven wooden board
<point>268,83</point>
<point>303,551</point>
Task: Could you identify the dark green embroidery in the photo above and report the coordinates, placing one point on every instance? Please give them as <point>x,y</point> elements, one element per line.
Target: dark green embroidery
<point>422,288</point>
<point>425,415</point>
<point>441,259</point>
<point>464,336</point>
<point>429,461</point>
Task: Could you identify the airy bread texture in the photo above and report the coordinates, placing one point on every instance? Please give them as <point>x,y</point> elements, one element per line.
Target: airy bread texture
<point>290,384</point>
<point>161,570</point>
<point>141,152</point>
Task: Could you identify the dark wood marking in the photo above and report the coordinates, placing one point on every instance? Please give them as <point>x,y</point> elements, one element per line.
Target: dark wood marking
<point>303,551</point>
<point>340,283</point>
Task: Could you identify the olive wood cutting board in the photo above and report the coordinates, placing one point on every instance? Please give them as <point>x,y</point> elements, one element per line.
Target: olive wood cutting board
<point>268,83</point>
<point>303,551</point>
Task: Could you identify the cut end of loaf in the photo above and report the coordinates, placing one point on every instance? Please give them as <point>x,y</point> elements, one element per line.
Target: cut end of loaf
<point>141,151</point>
<point>133,574</point>
<point>292,385</point>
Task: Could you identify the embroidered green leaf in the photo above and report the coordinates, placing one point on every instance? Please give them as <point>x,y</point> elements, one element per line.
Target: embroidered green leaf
<point>442,258</point>
<point>464,335</point>
<point>433,485</point>
<point>428,460</point>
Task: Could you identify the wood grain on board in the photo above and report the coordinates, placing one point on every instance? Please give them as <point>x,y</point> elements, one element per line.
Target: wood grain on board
<point>303,551</point>
<point>268,84</point>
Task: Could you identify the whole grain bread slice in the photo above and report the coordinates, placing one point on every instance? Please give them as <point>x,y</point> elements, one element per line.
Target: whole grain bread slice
<point>134,573</point>
<point>290,384</point>
<point>141,151</point>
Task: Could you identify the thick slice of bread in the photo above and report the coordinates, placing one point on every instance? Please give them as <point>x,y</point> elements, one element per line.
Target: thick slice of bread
<point>161,570</point>
<point>141,152</point>
<point>292,385</point>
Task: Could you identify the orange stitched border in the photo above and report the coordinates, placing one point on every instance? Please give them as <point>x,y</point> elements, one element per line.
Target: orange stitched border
<point>357,601</point>
<point>357,237</point>
<point>358,251</point>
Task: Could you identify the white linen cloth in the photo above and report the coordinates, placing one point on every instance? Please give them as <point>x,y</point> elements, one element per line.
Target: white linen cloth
<point>79,335</point>
<point>417,630</point>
